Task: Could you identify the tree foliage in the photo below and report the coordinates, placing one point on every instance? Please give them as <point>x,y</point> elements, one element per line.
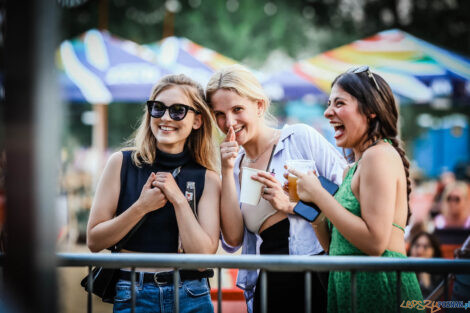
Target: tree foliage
<point>249,31</point>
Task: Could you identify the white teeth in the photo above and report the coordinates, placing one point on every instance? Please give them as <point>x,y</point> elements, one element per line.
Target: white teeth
<point>166,128</point>
<point>237,130</point>
<point>336,124</point>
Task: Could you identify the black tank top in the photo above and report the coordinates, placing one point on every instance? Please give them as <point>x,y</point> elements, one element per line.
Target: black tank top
<point>159,232</point>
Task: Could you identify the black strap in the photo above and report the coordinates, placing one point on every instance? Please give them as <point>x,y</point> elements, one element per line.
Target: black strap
<point>118,247</point>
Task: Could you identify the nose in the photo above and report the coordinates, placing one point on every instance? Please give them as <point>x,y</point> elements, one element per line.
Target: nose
<point>229,121</point>
<point>328,112</point>
<point>166,115</point>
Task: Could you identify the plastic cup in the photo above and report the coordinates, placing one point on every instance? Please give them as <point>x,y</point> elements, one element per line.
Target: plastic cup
<point>250,192</point>
<point>302,166</point>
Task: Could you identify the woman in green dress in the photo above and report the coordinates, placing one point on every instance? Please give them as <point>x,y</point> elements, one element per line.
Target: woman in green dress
<point>368,214</point>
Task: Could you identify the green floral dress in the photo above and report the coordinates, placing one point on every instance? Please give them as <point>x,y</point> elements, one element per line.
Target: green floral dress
<point>376,291</point>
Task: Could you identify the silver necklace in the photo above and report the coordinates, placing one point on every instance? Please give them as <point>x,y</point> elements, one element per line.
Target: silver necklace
<point>248,160</point>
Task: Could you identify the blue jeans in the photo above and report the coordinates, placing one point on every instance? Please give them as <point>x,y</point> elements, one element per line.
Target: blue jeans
<point>194,297</point>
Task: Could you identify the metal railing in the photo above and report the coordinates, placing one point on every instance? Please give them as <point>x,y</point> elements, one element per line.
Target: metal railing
<point>307,264</point>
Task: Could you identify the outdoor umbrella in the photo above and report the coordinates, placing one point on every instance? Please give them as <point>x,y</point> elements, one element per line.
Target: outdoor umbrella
<point>415,69</point>
<point>181,55</point>
<point>99,68</point>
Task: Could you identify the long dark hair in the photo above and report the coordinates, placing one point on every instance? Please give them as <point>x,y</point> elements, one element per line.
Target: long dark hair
<point>376,99</point>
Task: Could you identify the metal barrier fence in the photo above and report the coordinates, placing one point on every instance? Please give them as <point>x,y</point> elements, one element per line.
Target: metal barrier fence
<point>291,263</point>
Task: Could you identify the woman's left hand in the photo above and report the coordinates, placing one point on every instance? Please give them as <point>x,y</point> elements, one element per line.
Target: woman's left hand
<point>273,192</point>
<point>167,184</point>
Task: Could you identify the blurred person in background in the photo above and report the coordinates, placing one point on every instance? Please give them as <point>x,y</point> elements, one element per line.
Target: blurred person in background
<point>425,245</point>
<point>240,107</point>
<point>446,178</point>
<point>455,207</point>
<point>175,133</point>
<point>368,213</point>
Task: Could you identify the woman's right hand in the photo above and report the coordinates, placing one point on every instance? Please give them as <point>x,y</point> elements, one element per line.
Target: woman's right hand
<point>151,198</point>
<point>229,150</point>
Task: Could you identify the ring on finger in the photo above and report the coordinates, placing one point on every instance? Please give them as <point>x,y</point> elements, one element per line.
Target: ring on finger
<point>265,190</point>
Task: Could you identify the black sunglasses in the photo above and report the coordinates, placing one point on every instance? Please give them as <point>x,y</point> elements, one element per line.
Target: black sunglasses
<point>453,199</point>
<point>364,69</point>
<point>177,111</point>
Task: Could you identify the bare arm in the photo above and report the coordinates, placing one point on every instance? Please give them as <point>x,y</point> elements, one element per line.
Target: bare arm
<point>320,226</point>
<point>104,229</point>
<point>196,236</point>
<point>231,219</point>
<point>203,237</point>
<point>371,232</point>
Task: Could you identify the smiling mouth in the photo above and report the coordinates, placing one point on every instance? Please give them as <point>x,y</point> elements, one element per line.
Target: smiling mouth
<point>166,128</point>
<point>339,129</point>
<point>238,130</point>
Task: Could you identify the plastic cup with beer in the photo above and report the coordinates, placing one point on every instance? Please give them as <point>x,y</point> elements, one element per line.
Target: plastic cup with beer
<point>250,192</point>
<point>302,166</point>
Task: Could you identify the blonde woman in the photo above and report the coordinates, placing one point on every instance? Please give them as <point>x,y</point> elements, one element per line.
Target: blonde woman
<point>240,107</point>
<point>455,210</point>
<point>174,137</point>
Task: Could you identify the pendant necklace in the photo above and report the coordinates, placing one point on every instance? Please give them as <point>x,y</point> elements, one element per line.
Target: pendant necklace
<point>248,160</point>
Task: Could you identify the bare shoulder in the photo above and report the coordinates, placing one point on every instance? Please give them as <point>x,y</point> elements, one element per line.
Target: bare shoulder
<point>212,177</point>
<point>115,160</point>
<point>383,157</point>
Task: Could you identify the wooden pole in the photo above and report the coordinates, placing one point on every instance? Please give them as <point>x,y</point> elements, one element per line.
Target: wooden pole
<point>100,137</point>
<point>168,24</point>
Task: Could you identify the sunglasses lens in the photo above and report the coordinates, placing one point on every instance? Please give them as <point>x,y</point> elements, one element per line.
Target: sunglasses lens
<point>178,112</point>
<point>157,109</point>
<point>453,199</point>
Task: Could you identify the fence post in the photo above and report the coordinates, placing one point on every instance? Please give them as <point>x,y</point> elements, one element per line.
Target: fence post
<point>353,291</point>
<point>219,290</point>
<point>133,289</point>
<point>176,283</point>
<point>90,290</point>
<point>308,292</point>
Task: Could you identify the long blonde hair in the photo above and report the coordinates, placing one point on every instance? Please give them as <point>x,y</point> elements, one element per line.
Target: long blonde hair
<point>200,141</point>
<point>239,79</point>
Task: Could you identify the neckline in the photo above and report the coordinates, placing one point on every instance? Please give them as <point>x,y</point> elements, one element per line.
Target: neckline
<point>172,160</point>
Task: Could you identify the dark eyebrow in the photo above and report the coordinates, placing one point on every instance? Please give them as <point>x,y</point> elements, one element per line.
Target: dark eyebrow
<point>337,98</point>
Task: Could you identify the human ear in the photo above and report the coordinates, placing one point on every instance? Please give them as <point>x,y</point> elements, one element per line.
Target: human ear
<point>260,107</point>
<point>197,121</point>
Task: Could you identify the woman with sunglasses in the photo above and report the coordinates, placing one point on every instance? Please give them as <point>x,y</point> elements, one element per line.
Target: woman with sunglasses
<point>455,210</point>
<point>240,107</point>
<point>368,213</point>
<point>168,178</point>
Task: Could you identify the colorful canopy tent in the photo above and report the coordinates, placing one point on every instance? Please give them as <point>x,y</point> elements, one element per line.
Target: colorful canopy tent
<point>101,68</point>
<point>181,55</point>
<point>415,69</point>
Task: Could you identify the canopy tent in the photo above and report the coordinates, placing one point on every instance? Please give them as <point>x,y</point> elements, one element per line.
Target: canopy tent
<point>415,69</point>
<point>181,55</point>
<point>100,68</point>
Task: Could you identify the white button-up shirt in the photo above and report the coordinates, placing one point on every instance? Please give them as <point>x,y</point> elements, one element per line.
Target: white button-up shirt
<point>297,141</point>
